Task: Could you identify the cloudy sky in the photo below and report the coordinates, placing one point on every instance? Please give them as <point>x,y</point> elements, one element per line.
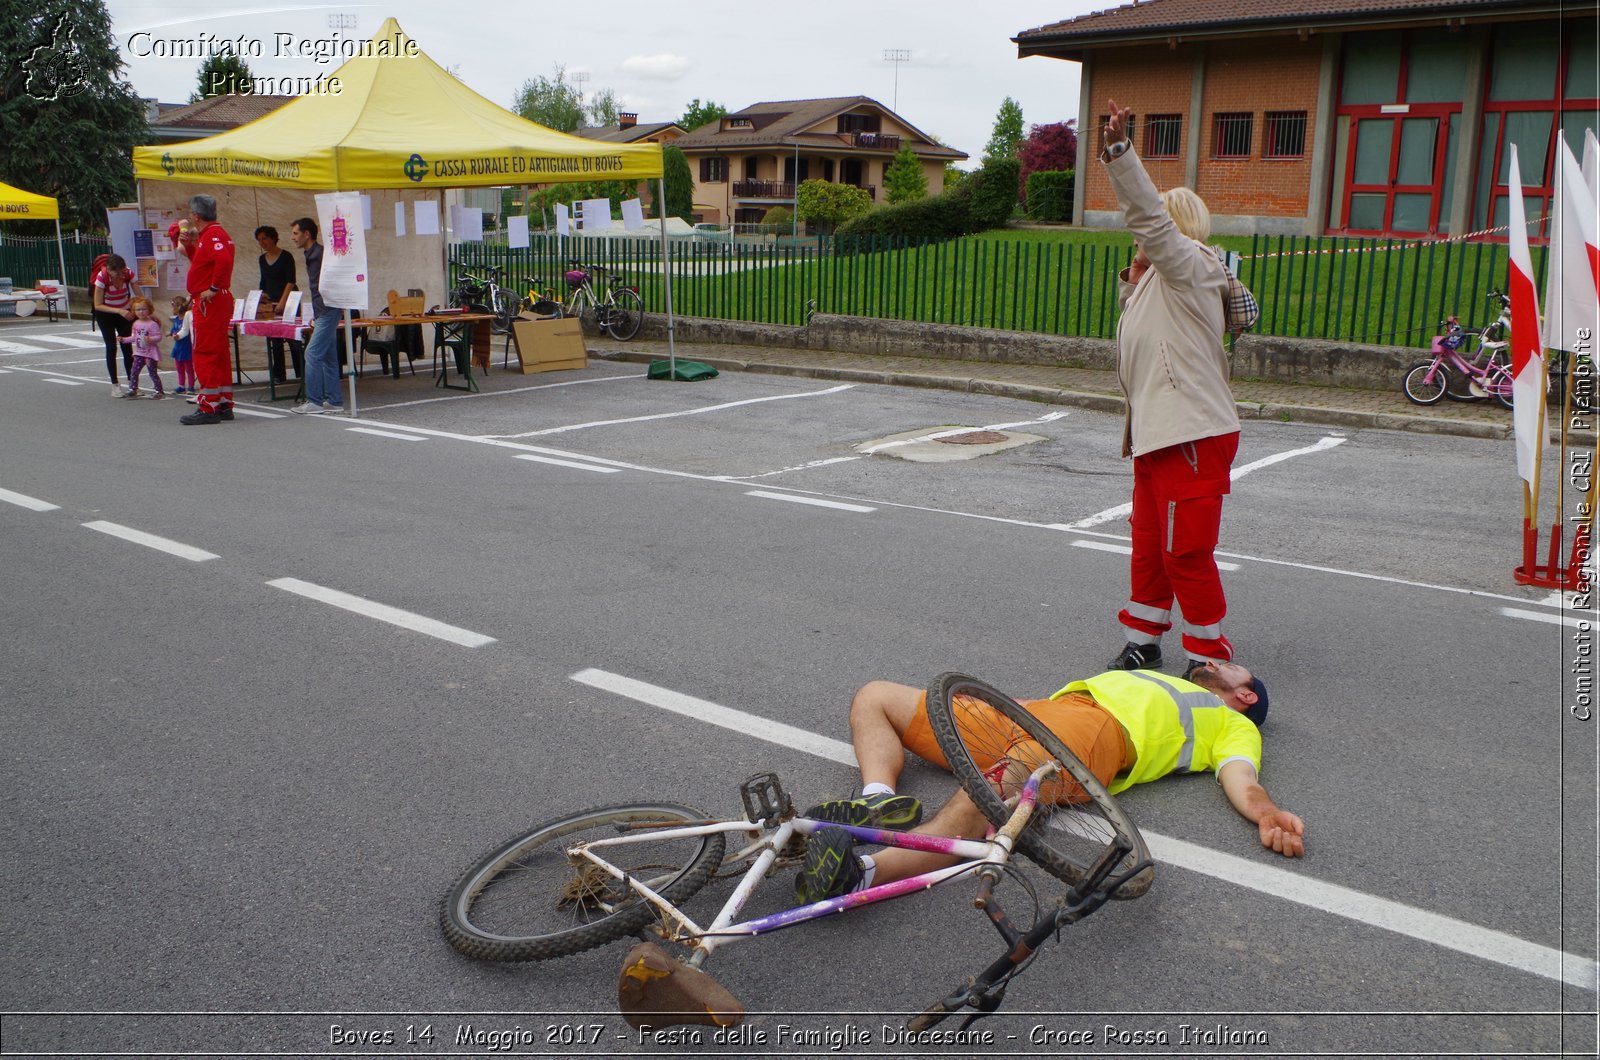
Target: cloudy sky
<point>657,56</point>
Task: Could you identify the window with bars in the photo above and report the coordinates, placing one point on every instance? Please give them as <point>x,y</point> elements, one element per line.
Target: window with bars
<point>1161,135</point>
<point>1285,134</point>
<point>713,169</point>
<point>1105,119</point>
<point>1232,139</point>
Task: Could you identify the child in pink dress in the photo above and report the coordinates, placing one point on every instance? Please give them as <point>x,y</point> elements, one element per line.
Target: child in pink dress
<point>146,343</point>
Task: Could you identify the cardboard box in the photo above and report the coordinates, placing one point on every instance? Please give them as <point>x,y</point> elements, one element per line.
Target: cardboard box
<point>550,345</point>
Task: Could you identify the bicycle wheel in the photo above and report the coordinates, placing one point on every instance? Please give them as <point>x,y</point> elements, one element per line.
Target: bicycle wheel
<point>1421,390</point>
<point>529,900</point>
<point>1076,819</point>
<point>1498,380</point>
<point>625,315</point>
<point>504,310</point>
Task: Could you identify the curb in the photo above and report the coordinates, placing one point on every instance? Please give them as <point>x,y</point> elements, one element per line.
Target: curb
<point>1110,403</point>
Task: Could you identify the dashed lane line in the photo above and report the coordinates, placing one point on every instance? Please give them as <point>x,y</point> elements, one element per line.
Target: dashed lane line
<point>262,414</point>
<point>69,340</point>
<point>568,463</point>
<point>674,415</point>
<point>1409,921</point>
<point>383,612</point>
<point>66,382</point>
<point>22,500</point>
<point>160,544</point>
<point>1554,619</point>
<point>387,434</point>
<point>1127,550</point>
<point>814,501</point>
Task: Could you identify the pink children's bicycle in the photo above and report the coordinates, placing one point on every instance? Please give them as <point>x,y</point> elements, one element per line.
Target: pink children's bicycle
<point>1450,374</point>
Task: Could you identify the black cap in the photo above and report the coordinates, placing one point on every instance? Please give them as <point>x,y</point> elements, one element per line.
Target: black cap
<point>1257,711</point>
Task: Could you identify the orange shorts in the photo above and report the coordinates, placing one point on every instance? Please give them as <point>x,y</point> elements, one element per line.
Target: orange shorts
<point>1088,730</point>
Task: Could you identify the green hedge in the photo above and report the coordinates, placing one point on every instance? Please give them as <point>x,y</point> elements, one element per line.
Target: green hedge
<point>1049,194</point>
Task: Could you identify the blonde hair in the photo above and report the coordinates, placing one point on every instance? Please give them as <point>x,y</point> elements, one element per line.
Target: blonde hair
<point>1188,211</point>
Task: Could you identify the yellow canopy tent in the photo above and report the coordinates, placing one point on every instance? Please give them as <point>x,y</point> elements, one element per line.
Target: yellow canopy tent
<point>392,118</point>
<point>16,204</point>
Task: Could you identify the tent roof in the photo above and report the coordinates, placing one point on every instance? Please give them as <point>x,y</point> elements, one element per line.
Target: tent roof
<point>399,120</point>
<point>16,203</point>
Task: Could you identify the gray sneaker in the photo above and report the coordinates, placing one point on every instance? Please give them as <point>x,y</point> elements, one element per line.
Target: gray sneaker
<point>310,408</point>
<point>332,410</point>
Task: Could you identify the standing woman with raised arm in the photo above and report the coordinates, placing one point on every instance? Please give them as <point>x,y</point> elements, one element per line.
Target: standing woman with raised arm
<point>1182,427</point>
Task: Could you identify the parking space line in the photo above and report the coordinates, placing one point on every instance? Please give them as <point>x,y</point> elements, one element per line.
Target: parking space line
<point>21,347</point>
<point>66,382</point>
<point>674,415</point>
<point>387,434</point>
<point>22,500</point>
<point>816,501</point>
<point>160,544</point>
<point>568,463</point>
<point>262,414</point>
<point>68,340</point>
<point>383,612</point>
<point>1409,921</point>
<point>1555,619</point>
<point>1127,550</point>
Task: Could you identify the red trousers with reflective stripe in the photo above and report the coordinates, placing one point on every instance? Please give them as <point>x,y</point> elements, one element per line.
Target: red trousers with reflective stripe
<point>212,369</point>
<point>1177,514</point>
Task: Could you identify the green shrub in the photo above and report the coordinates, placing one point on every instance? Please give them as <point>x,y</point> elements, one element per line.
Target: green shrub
<point>940,217</point>
<point>1049,194</point>
<point>994,193</point>
<point>778,221</point>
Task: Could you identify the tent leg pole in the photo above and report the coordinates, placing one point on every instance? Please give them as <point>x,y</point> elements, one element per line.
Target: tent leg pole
<point>666,280</point>
<point>61,259</point>
<point>350,341</point>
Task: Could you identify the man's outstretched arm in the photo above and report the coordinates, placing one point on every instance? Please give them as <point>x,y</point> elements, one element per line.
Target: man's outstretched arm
<point>1280,830</point>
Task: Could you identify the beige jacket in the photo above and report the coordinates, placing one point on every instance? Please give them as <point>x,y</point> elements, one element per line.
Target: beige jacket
<point>1171,363</point>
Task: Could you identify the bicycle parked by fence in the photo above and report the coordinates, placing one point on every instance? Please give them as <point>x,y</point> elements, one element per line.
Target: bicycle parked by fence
<point>589,878</point>
<point>1462,371</point>
<point>616,307</point>
<point>486,293</point>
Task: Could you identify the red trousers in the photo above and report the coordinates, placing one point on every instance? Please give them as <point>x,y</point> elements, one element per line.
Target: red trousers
<point>1177,513</point>
<point>212,369</point>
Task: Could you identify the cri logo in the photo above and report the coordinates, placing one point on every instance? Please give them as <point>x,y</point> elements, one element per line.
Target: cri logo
<point>166,164</point>
<point>416,168</point>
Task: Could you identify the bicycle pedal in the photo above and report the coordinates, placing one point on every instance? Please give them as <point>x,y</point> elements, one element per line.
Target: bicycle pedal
<point>765,799</point>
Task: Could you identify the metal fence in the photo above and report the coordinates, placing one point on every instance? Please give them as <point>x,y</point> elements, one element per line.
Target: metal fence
<point>29,259</point>
<point>1366,291</point>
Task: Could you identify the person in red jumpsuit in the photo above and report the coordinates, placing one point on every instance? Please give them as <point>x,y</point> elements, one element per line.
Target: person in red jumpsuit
<point>209,249</point>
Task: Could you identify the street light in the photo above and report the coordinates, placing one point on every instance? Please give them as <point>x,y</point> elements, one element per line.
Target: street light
<point>896,56</point>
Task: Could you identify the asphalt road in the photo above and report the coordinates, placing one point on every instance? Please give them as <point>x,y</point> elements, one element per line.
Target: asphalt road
<point>232,807</point>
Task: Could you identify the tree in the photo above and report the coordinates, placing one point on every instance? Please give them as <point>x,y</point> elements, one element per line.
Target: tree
<point>903,179</point>
<point>827,204</point>
<point>603,108</point>
<point>1050,147</point>
<point>679,182</point>
<point>551,102</point>
<point>697,114</point>
<point>1006,139</point>
<point>222,75</point>
<point>71,122</point>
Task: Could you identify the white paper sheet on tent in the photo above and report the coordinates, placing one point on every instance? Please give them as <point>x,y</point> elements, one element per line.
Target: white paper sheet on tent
<point>632,213</point>
<point>343,282</point>
<point>399,219</point>
<point>596,214</point>
<point>366,213</point>
<point>516,232</point>
<point>455,221</point>
<point>427,217</point>
<point>470,228</point>
<point>563,225</point>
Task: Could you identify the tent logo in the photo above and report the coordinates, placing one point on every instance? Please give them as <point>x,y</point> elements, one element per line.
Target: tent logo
<point>416,168</point>
<point>166,163</point>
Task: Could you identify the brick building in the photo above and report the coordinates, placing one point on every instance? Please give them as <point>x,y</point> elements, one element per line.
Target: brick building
<point>1349,117</point>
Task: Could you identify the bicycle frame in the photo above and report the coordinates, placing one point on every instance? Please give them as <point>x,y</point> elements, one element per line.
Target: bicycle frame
<point>981,856</point>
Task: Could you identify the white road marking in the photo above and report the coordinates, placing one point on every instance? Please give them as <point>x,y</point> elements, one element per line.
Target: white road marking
<point>1124,510</point>
<point>21,347</point>
<point>674,415</point>
<point>160,544</point>
<point>796,467</point>
<point>1127,550</point>
<point>953,431</point>
<point>820,503</point>
<point>1554,620</point>
<point>1410,921</point>
<point>69,340</point>
<point>568,463</point>
<point>370,407</point>
<point>387,434</point>
<point>383,612</point>
<point>5,371</point>
<point>22,500</point>
<point>66,382</point>
<point>262,414</point>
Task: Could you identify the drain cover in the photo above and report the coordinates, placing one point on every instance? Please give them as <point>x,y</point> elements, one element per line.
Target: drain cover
<point>974,438</point>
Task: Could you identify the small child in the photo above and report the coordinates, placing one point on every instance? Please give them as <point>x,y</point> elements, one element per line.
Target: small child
<point>146,342</point>
<point>183,345</point>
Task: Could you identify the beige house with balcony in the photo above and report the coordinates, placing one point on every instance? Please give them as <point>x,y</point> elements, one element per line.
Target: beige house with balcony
<point>749,162</point>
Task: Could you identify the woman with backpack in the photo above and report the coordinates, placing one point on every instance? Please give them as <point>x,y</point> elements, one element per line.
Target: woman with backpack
<point>113,315</point>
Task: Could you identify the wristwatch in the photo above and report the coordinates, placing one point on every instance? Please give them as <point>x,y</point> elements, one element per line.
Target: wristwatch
<point>1116,150</point>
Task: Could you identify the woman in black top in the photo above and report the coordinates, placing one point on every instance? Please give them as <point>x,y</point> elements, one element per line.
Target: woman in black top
<point>277,280</point>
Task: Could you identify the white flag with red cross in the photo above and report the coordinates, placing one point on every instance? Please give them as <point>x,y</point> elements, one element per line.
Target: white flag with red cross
<point>1572,284</point>
<point>1527,352</point>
